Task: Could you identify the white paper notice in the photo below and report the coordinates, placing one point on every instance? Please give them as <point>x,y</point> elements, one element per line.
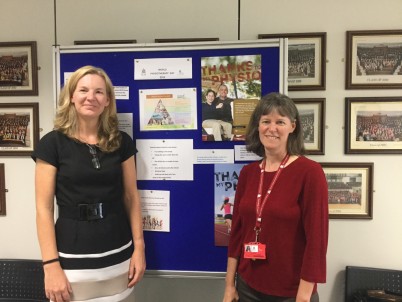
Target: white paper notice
<point>67,75</point>
<point>163,69</point>
<point>126,123</point>
<point>122,92</point>
<point>155,207</point>
<point>213,156</point>
<point>165,159</point>
<point>241,154</point>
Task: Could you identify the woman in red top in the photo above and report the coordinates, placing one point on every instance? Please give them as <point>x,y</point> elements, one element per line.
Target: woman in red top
<point>278,244</point>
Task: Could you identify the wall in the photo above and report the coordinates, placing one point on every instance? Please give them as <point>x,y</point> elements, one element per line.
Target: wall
<point>374,242</point>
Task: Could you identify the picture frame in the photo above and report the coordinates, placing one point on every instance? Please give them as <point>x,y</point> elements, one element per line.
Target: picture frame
<point>19,128</point>
<point>98,42</point>
<point>372,125</point>
<point>350,190</point>
<point>372,59</point>
<point>2,191</point>
<point>180,40</point>
<point>18,68</point>
<point>306,59</point>
<point>312,118</point>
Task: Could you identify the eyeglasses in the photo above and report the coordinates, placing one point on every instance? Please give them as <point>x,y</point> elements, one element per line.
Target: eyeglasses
<point>95,159</point>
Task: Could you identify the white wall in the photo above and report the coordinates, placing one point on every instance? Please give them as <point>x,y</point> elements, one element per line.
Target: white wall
<point>375,243</point>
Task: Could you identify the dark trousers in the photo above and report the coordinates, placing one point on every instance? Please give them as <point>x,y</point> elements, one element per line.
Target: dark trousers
<point>247,294</point>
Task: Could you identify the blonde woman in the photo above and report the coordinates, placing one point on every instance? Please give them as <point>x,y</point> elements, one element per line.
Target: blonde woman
<point>96,248</point>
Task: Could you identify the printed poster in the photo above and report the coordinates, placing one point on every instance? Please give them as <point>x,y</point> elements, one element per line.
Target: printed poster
<point>155,206</point>
<point>236,82</point>
<point>225,180</point>
<point>168,109</point>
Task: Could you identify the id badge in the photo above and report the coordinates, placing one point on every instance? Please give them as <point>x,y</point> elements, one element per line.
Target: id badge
<point>255,250</point>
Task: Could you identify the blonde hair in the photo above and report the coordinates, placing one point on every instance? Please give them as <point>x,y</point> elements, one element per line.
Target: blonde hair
<point>66,121</point>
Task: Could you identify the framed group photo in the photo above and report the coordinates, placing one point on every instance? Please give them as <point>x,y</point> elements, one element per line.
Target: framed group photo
<point>19,128</point>
<point>184,40</point>
<point>18,69</point>
<point>312,119</point>
<point>2,191</point>
<point>350,189</point>
<point>373,125</point>
<point>374,59</point>
<point>306,59</point>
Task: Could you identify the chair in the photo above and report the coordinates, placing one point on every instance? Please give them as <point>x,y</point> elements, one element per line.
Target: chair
<point>361,279</point>
<point>21,280</point>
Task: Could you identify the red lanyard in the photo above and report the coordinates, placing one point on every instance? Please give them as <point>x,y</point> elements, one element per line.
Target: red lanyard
<point>260,205</point>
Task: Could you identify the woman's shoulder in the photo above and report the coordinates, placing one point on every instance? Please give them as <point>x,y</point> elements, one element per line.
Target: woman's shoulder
<point>125,136</point>
<point>51,136</point>
<point>251,167</point>
<point>55,136</point>
<point>306,164</point>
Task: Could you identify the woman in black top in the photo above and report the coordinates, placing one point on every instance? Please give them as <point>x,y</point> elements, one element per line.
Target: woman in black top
<point>96,248</point>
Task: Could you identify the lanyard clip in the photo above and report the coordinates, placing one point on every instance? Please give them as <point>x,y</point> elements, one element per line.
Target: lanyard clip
<point>257,232</point>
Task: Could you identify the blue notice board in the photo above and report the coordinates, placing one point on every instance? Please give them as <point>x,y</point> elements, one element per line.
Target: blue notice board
<point>189,246</point>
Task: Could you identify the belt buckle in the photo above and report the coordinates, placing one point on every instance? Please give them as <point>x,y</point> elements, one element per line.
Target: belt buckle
<point>92,211</point>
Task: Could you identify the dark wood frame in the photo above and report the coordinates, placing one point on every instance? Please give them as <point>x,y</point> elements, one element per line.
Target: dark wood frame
<point>174,40</point>
<point>337,212</point>
<point>33,110</point>
<point>322,36</point>
<point>370,36</point>
<point>353,145</point>
<point>2,191</point>
<point>10,47</point>
<point>97,42</point>
<point>320,103</point>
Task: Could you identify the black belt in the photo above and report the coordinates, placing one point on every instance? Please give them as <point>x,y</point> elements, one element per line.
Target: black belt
<point>89,211</point>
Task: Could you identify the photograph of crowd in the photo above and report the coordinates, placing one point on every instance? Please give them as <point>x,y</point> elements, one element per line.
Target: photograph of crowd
<point>379,126</point>
<point>19,129</point>
<point>14,129</point>
<point>374,59</point>
<point>350,189</point>
<point>312,119</point>
<point>373,125</point>
<point>379,59</point>
<point>344,188</point>
<point>307,123</point>
<point>18,68</point>
<point>14,69</point>
<point>301,61</point>
<point>306,59</point>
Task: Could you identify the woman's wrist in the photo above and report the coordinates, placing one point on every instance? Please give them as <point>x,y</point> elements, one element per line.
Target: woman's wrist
<point>50,261</point>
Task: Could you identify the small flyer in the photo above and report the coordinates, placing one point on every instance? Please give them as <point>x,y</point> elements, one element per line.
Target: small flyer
<point>155,207</point>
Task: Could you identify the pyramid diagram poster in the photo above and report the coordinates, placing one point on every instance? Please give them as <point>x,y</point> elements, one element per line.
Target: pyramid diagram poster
<point>168,109</point>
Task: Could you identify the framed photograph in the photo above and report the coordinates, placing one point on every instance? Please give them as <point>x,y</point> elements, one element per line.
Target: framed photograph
<point>97,42</point>
<point>350,189</point>
<point>18,69</point>
<point>373,59</point>
<point>312,118</point>
<point>2,191</point>
<point>373,125</point>
<point>306,59</point>
<point>19,128</point>
<point>186,40</point>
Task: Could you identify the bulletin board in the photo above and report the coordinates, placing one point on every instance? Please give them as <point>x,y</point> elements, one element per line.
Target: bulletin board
<point>188,248</point>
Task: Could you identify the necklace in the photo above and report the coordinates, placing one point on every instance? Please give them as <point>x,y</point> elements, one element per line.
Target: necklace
<point>81,139</point>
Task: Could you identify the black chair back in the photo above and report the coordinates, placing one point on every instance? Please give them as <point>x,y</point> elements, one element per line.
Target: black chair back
<point>21,280</point>
<point>360,279</point>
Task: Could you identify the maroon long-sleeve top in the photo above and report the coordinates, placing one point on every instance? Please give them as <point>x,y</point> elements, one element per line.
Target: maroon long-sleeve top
<point>294,227</point>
